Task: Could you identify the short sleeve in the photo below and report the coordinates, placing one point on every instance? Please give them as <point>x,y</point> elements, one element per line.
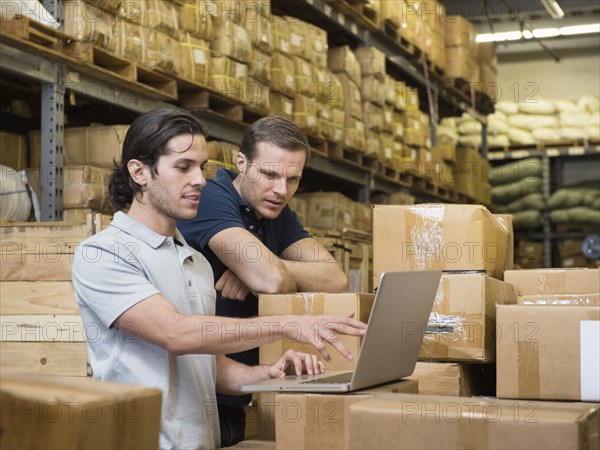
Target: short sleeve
<point>218,211</point>
<point>108,279</point>
<point>291,229</point>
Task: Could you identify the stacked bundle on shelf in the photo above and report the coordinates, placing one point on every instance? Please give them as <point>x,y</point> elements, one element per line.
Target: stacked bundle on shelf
<point>578,205</point>
<point>89,153</point>
<point>547,121</point>
<point>517,189</point>
<point>16,204</point>
<point>467,131</point>
<point>488,66</point>
<point>378,128</point>
<point>343,62</point>
<point>461,50</point>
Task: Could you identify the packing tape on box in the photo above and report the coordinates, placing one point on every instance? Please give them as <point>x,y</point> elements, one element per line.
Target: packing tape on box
<point>426,233</point>
<point>456,336</point>
<point>549,281</point>
<point>305,304</point>
<point>528,370</point>
<point>592,299</point>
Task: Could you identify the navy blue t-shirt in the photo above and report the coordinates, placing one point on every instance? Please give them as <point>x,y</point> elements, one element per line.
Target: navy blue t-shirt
<point>221,207</point>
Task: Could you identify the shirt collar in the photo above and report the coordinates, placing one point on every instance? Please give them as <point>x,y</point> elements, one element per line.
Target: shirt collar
<point>134,228</point>
<point>225,178</point>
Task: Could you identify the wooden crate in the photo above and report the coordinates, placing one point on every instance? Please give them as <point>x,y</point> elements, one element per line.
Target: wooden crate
<point>41,329</point>
<point>33,251</point>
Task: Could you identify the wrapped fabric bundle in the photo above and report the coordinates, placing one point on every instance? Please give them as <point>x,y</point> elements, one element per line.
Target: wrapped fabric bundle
<point>540,106</point>
<point>519,136</point>
<point>578,214</point>
<point>507,193</point>
<point>530,219</point>
<point>546,134</point>
<point>15,205</point>
<point>531,201</point>
<point>575,196</point>
<point>514,171</point>
<point>532,122</point>
<point>507,108</point>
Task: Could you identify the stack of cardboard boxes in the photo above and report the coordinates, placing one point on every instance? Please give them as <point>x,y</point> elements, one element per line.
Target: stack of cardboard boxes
<point>477,319</point>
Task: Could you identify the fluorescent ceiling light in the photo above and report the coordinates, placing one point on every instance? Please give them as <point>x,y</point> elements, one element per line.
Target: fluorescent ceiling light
<point>487,37</point>
<point>553,8</point>
<point>580,29</point>
<point>546,32</point>
<point>539,34</point>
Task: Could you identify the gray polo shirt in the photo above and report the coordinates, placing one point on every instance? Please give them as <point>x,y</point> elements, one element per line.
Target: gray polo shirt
<point>121,266</point>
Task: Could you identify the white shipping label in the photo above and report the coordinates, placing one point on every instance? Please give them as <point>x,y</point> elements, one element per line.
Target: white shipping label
<point>296,40</point>
<point>289,79</point>
<point>311,121</point>
<point>288,107</point>
<point>199,56</point>
<point>388,153</point>
<point>241,71</point>
<point>589,357</point>
<point>285,46</point>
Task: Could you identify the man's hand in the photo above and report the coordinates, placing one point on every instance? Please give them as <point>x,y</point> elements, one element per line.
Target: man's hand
<point>293,362</point>
<point>231,287</point>
<point>316,329</point>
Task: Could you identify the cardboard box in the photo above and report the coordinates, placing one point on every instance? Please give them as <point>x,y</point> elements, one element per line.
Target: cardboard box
<point>97,145</point>
<point>554,281</point>
<point>195,59</point>
<point>548,352</point>
<point>455,379</point>
<point>438,236</point>
<point>462,323</point>
<point>329,210</point>
<point>228,77</point>
<point>372,61</point>
<point>300,207</point>
<point>231,40</point>
<point>510,252</point>
<point>84,186</point>
<point>395,421</point>
<point>281,105</point>
<point>312,304</point>
<point>87,23</point>
<point>50,412</point>
<point>343,60</point>
<point>320,421</point>
<point>14,152</point>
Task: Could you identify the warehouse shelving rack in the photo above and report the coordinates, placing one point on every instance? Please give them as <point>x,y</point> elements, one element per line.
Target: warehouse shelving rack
<point>57,77</point>
<point>553,160</point>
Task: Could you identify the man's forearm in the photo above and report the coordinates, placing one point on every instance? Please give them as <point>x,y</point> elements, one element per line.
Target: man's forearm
<point>320,276</point>
<point>223,335</point>
<point>232,374</point>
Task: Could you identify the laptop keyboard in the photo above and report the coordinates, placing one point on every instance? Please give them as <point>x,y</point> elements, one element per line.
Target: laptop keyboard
<point>339,378</point>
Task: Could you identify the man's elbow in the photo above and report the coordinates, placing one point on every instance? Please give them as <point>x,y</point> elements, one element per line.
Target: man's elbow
<point>174,345</point>
<point>341,283</point>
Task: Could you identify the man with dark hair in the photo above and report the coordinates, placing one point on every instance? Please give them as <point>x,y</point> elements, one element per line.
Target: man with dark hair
<point>254,241</point>
<point>148,299</point>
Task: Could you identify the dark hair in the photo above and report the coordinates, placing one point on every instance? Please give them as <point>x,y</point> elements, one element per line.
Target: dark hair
<point>277,131</point>
<point>146,140</point>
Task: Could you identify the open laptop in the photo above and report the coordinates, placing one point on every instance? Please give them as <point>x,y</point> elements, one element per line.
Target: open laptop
<point>391,342</point>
